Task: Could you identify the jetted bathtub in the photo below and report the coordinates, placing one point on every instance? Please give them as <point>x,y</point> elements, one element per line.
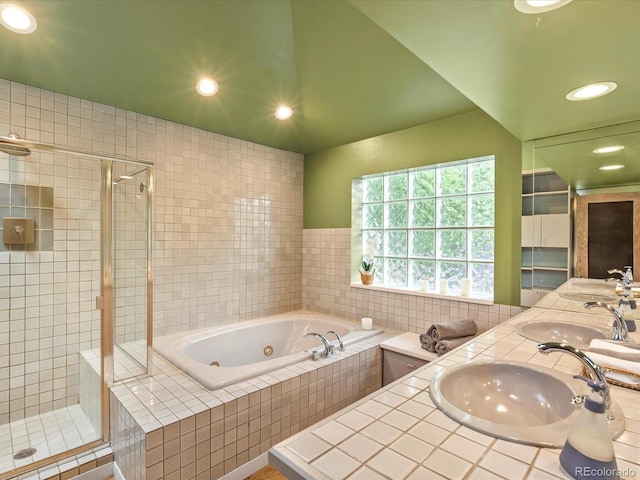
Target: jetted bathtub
<point>221,356</point>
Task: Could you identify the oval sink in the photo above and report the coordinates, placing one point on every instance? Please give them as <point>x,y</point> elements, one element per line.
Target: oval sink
<point>513,401</point>
<point>595,285</point>
<point>590,297</point>
<point>578,336</point>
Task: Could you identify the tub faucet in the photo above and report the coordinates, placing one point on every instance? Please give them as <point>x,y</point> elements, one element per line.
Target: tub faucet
<point>595,371</point>
<point>620,330</point>
<point>327,347</point>
<point>341,348</point>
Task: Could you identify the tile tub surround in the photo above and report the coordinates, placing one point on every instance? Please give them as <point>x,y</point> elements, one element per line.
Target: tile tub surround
<point>169,425</point>
<point>326,278</point>
<point>398,433</point>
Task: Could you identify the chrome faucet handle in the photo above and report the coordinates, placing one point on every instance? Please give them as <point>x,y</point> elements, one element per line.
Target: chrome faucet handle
<point>331,332</point>
<point>595,371</point>
<point>327,347</point>
<point>620,330</point>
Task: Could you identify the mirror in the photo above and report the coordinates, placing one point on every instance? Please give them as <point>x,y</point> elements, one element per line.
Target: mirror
<point>562,183</point>
<point>575,159</point>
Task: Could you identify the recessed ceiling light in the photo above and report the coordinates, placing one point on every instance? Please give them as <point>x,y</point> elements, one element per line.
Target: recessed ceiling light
<point>592,90</point>
<point>207,87</point>
<point>17,19</point>
<point>538,6</point>
<point>611,149</point>
<point>611,167</point>
<point>284,112</point>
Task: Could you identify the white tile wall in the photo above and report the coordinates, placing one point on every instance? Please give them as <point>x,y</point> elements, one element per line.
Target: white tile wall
<point>326,277</point>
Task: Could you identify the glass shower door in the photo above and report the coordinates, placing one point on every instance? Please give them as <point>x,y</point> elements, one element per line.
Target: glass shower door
<point>132,281</point>
<point>75,296</point>
<point>49,326</point>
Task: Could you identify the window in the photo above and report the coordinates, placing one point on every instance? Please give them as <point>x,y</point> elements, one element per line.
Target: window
<point>429,223</point>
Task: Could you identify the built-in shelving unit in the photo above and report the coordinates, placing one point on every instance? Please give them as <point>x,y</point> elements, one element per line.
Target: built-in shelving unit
<point>546,234</point>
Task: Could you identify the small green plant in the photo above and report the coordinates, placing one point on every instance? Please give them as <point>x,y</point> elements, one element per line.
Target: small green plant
<point>368,265</point>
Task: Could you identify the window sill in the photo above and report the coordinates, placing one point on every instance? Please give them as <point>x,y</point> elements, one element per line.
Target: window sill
<point>420,293</point>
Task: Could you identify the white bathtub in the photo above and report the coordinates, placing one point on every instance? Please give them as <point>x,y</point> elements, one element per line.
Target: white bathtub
<point>241,349</point>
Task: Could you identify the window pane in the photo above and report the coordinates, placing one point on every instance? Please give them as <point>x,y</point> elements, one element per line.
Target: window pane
<point>482,177</point>
<point>395,243</point>
<point>395,271</point>
<point>423,183</point>
<point>481,278</point>
<point>451,270</point>
<point>452,180</point>
<point>481,244</point>
<point>372,215</point>
<point>373,189</point>
<point>397,186</point>
<point>396,215</point>
<point>423,270</point>
<point>423,243</point>
<point>452,212</point>
<point>482,209</point>
<point>423,213</point>
<point>372,244</point>
<point>431,223</point>
<point>452,244</point>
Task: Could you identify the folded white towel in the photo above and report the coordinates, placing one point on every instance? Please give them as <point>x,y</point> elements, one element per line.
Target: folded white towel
<point>623,357</point>
<point>619,350</point>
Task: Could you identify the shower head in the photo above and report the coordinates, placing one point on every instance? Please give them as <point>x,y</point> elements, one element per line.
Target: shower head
<point>9,146</point>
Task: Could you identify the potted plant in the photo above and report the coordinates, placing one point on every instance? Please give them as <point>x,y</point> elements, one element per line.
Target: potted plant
<point>368,270</point>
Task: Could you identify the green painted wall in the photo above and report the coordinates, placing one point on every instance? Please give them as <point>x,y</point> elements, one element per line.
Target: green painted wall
<point>328,174</point>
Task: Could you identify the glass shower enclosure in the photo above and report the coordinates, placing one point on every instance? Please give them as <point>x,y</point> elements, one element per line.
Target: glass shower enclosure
<point>75,296</point>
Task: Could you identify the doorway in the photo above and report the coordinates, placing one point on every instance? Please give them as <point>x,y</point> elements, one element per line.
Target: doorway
<point>607,233</point>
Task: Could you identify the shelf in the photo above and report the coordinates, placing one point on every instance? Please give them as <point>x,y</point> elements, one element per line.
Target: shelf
<point>551,258</point>
<point>543,182</point>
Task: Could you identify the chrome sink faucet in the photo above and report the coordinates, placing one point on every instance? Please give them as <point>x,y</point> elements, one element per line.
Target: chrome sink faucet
<point>327,347</point>
<point>616,271</point>
<point>341,348</point>
<point>620,330</point>
<point>595,371</point>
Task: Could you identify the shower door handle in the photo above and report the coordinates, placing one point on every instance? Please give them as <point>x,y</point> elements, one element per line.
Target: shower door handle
<point>99,302</point>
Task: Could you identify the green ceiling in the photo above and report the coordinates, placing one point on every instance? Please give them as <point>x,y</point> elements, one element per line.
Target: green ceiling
<point>346,78</point>
<point>350,69</point>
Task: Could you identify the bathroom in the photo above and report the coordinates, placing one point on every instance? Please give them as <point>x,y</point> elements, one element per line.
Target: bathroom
<point>240,229</point>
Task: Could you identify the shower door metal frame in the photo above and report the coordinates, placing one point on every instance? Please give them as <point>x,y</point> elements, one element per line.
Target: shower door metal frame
<point>105,301</point>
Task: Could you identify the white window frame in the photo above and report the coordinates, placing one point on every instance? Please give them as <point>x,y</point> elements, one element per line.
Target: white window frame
<point>429,286</point>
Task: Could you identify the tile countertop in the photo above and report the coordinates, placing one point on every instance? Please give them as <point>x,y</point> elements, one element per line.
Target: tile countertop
<point>398,433</point>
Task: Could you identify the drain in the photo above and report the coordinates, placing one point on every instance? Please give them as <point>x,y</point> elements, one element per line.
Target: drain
<point>24,453</point>
<point>268,350</point>
<point>214,364</point>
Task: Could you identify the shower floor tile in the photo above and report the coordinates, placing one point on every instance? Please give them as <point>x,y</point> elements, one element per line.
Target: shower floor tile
<point>50,433</point>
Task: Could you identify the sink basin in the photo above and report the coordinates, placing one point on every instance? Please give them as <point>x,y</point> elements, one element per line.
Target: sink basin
<point>601,285</point>
<point>513,401</point>
<point>590,297</point>
<point>578,336</point>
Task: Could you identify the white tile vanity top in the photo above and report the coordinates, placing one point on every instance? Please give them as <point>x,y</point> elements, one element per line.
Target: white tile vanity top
<point>408,343</point>
<point>398,433</point>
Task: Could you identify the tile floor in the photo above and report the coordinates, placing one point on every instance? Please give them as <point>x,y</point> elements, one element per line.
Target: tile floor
<point>49,433</point>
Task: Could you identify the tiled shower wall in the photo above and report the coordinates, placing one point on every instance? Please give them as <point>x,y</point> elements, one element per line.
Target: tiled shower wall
<point>326,278</point>
<point>227,236</point>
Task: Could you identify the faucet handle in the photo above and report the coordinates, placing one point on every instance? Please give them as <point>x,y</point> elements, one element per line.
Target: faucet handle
<point>331,332</point>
